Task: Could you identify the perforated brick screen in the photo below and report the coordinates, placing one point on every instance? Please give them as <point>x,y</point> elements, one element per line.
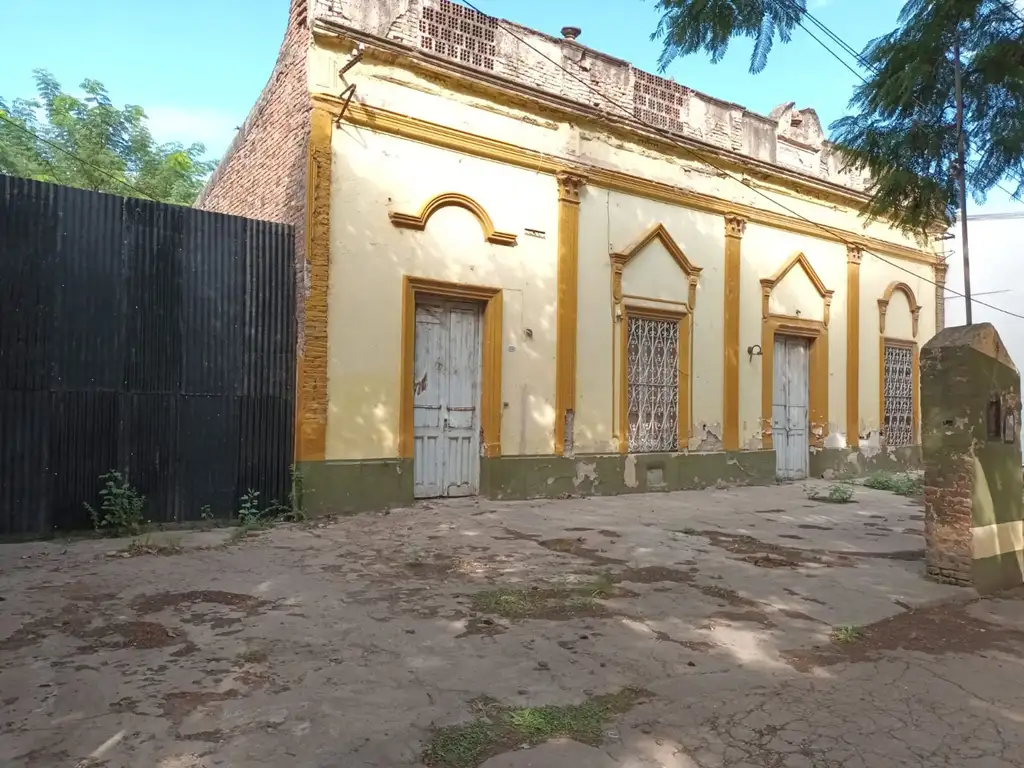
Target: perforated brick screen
<point>658,101</point>
<point>459,33</point>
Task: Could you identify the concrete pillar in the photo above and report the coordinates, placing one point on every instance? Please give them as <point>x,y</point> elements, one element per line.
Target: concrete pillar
<point>971,409</point>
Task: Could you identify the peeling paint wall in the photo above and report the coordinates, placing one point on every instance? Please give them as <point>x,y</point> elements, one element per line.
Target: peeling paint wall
<point>375,173</point>
<point>566,68</point>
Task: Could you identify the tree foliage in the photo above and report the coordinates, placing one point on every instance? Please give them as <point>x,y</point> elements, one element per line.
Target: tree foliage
<point>690,26</point>
<point>88,142</point>
<point>901,126</point>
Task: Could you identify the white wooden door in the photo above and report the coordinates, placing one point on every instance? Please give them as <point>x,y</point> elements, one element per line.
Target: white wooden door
<point>446,393</point>
<point>790,397</point>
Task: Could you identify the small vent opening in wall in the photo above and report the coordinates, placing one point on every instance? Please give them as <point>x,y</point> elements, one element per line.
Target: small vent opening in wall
<point>458,33</point>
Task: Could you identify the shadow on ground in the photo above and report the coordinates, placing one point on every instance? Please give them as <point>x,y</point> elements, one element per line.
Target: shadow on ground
<point>748,627</point>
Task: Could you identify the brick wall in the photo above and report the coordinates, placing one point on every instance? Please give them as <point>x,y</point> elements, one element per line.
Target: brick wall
<point>263,173</point>
<point>948,528</point>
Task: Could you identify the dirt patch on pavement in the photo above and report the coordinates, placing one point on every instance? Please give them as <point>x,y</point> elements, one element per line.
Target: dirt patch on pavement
<point>935,631</point>
<point>760,553</point>
<point>160,601</point>
<point>144,635</point>
<point>69,622</point>
<point>750,615</point>
<point>652,574</point>
<point>180,704</point>
<point>576,547</point>
<point>730,596</point>
<point>545,602</point>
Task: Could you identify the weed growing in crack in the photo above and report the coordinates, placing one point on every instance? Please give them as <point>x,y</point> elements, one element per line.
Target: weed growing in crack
<point>251,517</point>
<point>150,546</point>
<point>296,495</point>
<point>837,493</point>
<point>496,728</point>
<point>846,634</point>
<point>545,601</point>
<point>901,485</point>
<point>121,506</point>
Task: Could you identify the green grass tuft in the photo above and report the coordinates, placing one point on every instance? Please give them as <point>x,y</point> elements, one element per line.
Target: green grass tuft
<point>847,634</point>
<point>902,485</point>
<point>496,728</point>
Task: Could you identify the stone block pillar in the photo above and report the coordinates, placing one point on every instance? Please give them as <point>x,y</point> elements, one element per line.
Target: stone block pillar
<point>971,417</point>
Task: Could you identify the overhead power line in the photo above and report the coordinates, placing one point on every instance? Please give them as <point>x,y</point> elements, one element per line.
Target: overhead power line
<point>837,234</point>
<point>69,153</point>
<point>864,63</point>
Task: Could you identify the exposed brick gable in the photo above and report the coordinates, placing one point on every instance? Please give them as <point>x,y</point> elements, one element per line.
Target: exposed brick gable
<point>263,173</point>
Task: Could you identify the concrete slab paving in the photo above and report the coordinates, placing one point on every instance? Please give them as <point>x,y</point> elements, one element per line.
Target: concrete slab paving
<point>732,628</point>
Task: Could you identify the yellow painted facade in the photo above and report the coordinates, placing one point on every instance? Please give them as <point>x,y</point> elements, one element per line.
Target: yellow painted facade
<point>436,180</point>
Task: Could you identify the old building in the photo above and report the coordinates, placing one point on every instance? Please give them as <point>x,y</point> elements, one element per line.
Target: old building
<point>531,269</point>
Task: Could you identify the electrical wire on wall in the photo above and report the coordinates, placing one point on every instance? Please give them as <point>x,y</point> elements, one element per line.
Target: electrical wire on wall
<point>699,156</point>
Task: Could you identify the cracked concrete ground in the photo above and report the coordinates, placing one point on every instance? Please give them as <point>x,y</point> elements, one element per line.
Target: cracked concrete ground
<point>347,644</point>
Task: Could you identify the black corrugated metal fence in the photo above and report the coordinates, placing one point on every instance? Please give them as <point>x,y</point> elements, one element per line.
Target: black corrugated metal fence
<point>144,337</point>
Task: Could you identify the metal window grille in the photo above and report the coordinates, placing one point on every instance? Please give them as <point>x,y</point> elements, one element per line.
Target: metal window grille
<point>658,101</point>
<point>459,33</point>
<point>652,385</point>
<point>898,426</point>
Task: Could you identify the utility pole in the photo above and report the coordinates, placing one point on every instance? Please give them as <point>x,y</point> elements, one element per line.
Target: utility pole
<point>961,168</point>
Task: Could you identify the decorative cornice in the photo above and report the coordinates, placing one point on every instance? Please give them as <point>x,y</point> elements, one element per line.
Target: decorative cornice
<point>471,80</point>
<point>796,260</point>
<point>658,232</point>
<point>418,221</point>
<point>416,129</point>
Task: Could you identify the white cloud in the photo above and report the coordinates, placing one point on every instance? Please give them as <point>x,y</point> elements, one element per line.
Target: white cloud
<point>212,128</point>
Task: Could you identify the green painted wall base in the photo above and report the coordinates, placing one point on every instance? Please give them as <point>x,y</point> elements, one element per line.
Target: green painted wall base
<point>348,487</point>
<point>992,574</point>
<point>839,463</point>
<point>550,477</point>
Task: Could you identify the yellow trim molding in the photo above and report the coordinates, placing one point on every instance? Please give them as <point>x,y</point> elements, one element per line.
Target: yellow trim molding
<point>433,73</point>
<point>853,259</point>
<point>816,332</point>
<point>490,358</point>
<point>796,260</point>
<point>883,305</point>
<point>418,221</point>
<point>883,342</point>
<point>734,227</point>
<point>659,233</point>
<point>569,186</point>
<point>998,539</point>
<point>311,371</point>
<point>434,134</point>
<point>684,353</point>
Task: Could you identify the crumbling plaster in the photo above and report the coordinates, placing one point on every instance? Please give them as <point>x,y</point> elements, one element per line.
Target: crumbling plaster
<point>788,137</point>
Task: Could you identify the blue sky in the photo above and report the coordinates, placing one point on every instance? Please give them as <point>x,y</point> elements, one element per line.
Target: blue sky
<point>196,66</point>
